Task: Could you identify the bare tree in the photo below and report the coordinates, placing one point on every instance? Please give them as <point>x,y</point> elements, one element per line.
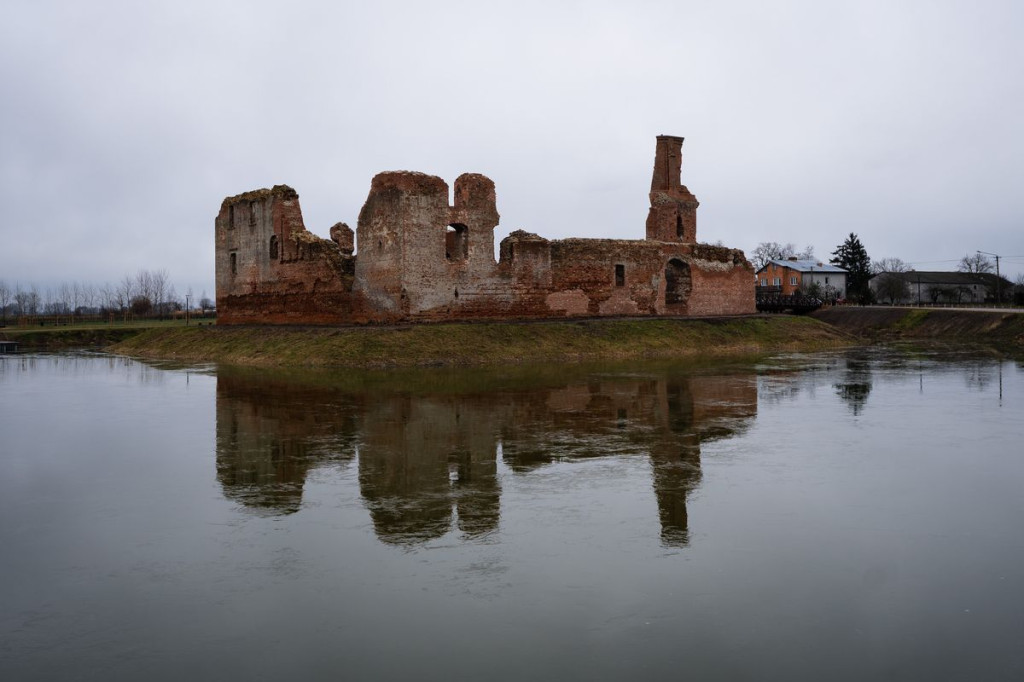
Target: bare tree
<point>144,285</point>
<point>977,262</point>
<point>171,300</point>
<point>161,290</point>
<point>106,296</point>
<point>151,285</point>
<point>892,287</point>
<point>889,265</point>
<point>76,297</point>
<point>125,292</point>
<point>26,301</point>
<point>888,282</point>
<point>65,294</point>
<point>765,252</point>
<point>87,297</point>
<point>51,302</point>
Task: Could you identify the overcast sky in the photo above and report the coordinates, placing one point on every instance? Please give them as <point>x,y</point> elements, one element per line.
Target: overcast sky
<point>124,124</point>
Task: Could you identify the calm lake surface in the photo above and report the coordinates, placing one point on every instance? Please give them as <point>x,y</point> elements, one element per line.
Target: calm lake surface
<point>853,516</point>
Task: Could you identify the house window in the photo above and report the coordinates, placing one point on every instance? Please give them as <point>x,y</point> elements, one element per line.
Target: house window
<point>792,281</point>
<point>764,281</point>
<point>776,281</point>
<point>826,280</point>
<point>620,275</point>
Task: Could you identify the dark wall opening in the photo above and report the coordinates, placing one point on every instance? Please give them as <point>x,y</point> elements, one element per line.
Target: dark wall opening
<point>678,282</point>
<point>456,242</point>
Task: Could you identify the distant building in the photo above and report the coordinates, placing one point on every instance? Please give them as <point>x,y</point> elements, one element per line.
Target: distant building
<point>939,287</point>
<point>794,275</point>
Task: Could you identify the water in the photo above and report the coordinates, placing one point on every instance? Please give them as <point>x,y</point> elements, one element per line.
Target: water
<point>846,517</point>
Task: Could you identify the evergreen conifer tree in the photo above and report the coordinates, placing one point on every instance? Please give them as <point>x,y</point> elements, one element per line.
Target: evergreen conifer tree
<point>853,257</point>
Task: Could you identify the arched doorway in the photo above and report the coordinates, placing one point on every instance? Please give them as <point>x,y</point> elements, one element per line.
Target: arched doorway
<point>677,284</point>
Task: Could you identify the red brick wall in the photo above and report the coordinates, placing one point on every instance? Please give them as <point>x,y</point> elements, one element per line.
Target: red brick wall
<point>410,266</point>
<point>280,273</point>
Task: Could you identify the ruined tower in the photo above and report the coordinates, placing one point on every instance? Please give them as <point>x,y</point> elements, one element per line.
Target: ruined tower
<point>673,214</point>
<point>418,254</point>
<point>423,258</point>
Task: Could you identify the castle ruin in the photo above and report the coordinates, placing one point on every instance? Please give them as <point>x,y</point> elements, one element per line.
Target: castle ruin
<point>421,259</point>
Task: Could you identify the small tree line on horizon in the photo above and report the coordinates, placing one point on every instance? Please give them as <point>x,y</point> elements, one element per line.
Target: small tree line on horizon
<point>146,294</point>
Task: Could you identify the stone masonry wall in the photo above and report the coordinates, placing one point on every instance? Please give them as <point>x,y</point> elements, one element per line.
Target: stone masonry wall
<point>421,259</point>
<point>271,270</point>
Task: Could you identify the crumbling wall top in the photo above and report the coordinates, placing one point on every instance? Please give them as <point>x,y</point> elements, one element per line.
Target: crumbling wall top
<point>411,182</point>
<point>279,191</point>
<point>342,235</point>
<point>474,191</point>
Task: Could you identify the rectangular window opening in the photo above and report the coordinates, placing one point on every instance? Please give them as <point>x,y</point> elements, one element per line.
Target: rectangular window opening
<point>620,275</point>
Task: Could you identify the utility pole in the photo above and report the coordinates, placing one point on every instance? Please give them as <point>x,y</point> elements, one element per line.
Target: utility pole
<point>999,280</point>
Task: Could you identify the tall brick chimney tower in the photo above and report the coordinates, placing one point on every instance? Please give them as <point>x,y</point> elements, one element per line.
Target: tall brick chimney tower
<point>673,214</point>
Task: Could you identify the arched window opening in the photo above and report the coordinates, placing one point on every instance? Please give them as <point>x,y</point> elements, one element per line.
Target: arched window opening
<point>456,242</point>
<point>677,282</point>
<point>273,247</point>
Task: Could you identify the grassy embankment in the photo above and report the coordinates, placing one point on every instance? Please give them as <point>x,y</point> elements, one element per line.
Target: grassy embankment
<point>521,343</point>
<point>484,343</point>
<point>89,335</point>
<point>880,323</point>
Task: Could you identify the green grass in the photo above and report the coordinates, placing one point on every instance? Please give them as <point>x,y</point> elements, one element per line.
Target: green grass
<point>911,320</point>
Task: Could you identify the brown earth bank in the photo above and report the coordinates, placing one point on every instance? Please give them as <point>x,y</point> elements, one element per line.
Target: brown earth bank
<point>882,323</point>
<point>479,344</point>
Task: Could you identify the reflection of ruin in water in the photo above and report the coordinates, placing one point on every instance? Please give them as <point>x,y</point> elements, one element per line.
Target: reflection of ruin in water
<point>428,460</point>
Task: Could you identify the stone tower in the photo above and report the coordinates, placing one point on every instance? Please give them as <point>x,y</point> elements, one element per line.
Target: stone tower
<point>673,214</point>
